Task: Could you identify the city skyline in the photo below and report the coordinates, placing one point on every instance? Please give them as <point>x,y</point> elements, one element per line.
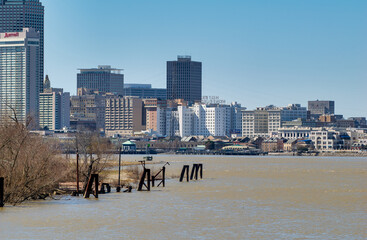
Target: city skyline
<point>254,53</point>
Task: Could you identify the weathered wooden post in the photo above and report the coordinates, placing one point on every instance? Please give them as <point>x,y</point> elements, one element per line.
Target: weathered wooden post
<point>194,171</point>
<point>118,188</point>
<point>164,176</point>
<point>77,173</point>
<point>1,192</point>
<point>163,179</point>
<point>93,177</point>
<point>95,185</point>
<point>146,174</point>
<point>201,170</point>
<point>185,169</point>
<point>153,179</point>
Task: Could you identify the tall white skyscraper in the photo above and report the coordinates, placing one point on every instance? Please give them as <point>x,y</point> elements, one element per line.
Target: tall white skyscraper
<point>18,14</point>
<point>20,74</point>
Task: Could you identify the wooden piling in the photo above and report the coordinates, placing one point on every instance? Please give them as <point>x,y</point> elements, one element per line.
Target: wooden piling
<point>153,180</point>
<point>77,173</point>
<point>92,178</point>
<point>162,180</point>
<point>185,169</point>
<point>163,177</point>
<point>119,179</point>
<point>196,169</point>
<point>95,185</point>
<point>201,170</point>
<point>145,175</point>
<point>1,192</point>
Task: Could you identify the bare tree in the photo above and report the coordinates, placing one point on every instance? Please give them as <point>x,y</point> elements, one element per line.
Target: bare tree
<point>95,153</point>
<point>31,167</point>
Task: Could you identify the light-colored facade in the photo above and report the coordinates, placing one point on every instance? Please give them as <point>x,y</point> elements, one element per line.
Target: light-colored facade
<point>199,120</point>
<point>154,114</point>
<point>54,109</point>
<point>294,132</point>
<point>20,74</point>
<point>264,121</point>
<point>236,119</point>
<point>18,14</point>
<point>124,116</point>
<point>325,139</point>
<point>210,120</point>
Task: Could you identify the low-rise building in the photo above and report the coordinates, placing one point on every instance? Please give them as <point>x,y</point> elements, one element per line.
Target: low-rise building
<point>293,132</point>
<point>325,139</point>
<point>272,145</point>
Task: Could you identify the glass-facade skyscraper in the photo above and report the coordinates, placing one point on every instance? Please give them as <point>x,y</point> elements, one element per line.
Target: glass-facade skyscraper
<point>103,79</point>
<point>19,74</point>
<point>184,79</point>
<point>18,14</point>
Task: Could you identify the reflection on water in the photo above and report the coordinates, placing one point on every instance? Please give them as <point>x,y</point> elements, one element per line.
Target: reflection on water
<point>239,198</point>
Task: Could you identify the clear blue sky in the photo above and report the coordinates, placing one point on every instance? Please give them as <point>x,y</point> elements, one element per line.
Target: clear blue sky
<point>256,52</point>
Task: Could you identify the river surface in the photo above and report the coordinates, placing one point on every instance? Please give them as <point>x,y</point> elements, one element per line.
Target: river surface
<point>239,198</point>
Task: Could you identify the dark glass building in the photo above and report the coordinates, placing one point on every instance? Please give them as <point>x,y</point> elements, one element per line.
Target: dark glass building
<point>103,79</point>
<point>144,91</point>
<point>18,14</point>
<point>318,108</point>
<point>184,79</point>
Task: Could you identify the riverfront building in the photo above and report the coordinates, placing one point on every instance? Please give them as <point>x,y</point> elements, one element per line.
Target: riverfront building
<point>144,91</point>
<point>184,79</point>
<point>263,121</point>
<point>18,14</point>
<point>20,74</point>
<point>199,120</point>
<point>103,79</point>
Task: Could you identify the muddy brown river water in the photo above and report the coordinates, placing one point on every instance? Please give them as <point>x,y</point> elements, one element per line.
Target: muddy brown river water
<point>239,198</point>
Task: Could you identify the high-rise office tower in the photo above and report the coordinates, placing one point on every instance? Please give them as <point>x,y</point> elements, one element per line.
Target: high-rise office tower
<point>184,79</point>
<point>18,14</point>
<point>103,79</point>
<point>19,74</point>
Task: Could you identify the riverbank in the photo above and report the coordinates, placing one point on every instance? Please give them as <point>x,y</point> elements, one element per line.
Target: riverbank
<point>321,154</point>
<point>240,197</point>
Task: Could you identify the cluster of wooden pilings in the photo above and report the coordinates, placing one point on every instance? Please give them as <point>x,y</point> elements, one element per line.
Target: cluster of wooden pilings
<point>147,181</point>
<point>146,178</point>
<point>196,169</point>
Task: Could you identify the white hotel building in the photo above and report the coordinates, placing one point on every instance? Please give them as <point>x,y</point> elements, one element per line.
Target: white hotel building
<point>20,74</point>
<point>201,120</point>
